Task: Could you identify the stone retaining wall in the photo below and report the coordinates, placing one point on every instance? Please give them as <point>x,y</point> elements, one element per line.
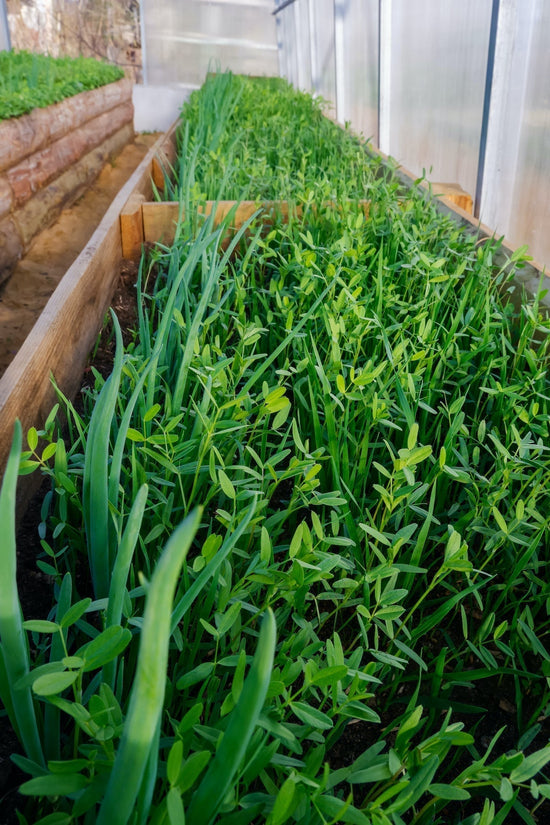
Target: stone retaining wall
<point>50,156</point>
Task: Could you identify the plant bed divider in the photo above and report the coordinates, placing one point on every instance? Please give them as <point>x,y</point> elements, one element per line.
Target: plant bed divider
<point>143,221</point>
<point>64,334</point>
<point>155,222</point>
<point>49,156</point>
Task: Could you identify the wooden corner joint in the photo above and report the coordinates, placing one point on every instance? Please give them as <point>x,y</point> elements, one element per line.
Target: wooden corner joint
<point>131,226</point>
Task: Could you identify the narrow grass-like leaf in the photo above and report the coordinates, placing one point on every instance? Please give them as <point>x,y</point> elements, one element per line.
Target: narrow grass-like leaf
<point>15,653</point>
<point>211,792</point>
<point>96,476</point>
<point>149,684</point>
<point>121,568</point>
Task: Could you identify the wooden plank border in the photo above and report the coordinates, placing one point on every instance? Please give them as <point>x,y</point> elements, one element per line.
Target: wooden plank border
<point>160,219</point>
<point>155,222</point>
<point>65,332</point>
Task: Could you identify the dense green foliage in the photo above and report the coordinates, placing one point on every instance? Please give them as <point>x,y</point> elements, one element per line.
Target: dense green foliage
<point>29,81</point>
<point>341,425</point>
<point>258,138</point>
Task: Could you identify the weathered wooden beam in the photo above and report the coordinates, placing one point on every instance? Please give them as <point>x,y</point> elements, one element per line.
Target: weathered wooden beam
<point>165,157</point>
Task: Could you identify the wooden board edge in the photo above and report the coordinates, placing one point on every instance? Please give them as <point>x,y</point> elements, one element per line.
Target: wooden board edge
<point>131,226</point>
<point>160,217</point>
<point>165,156</point>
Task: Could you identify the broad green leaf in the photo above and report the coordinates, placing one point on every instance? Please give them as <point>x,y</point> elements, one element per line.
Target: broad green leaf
<point>530,766</point>
<point>506,790</point>
<point>174,807</point>
<point>341,811</point>
<point>283,807</point>
<point>265,546</point>
<point>53,683</point>
<point>32,439</point>
<point>358,710</point>
<point>198,674</point>
<point>105,647</point>
<point>330,675</point>
<point>226,484</point>
<point>311,716</point>
<point>54,785</point>
<point>75,612</point>
<point>41,626</point>
<point>192,769</point>
<point>173,763</point>
<point>448,792</point>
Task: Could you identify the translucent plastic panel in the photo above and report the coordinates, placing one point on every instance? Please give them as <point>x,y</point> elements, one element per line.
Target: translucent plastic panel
<point>360,65</point>
<point>288,45</point>
<point>300,11</point>
<point>4,30</point>
<point>438,69</point>
<point>184,39</point>
<point>530,213</point>
<point>322,45</point>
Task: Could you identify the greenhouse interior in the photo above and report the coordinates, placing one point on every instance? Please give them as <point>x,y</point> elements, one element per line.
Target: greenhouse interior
<point>274,412</point>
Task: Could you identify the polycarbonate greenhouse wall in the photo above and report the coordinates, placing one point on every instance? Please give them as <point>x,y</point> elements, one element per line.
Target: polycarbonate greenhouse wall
<point>183,40</point>
<point>458,89</point>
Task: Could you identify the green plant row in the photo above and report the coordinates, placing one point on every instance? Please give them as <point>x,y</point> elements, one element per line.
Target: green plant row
<point>338,433</point>
<point>29,81</point>
<point>257,138</point>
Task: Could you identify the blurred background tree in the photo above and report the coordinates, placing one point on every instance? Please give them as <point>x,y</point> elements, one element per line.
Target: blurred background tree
<point>106,29</point>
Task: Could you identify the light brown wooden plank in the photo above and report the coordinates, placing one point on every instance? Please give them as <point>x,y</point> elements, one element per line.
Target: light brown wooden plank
<point>165,157</point>
<point>66,330</point>
<point>131,226</point>
<point>160,219</point>
<point>455,194</point>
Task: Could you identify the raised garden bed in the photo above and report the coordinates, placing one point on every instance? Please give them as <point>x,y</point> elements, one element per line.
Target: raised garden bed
<point>338,425</point>
<point>51,155</point>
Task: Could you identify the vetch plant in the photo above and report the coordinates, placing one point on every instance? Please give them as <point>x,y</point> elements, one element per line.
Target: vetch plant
<point>363,418</point>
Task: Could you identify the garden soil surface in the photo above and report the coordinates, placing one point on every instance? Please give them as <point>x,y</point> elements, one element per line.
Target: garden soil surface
<point>25,294</point>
